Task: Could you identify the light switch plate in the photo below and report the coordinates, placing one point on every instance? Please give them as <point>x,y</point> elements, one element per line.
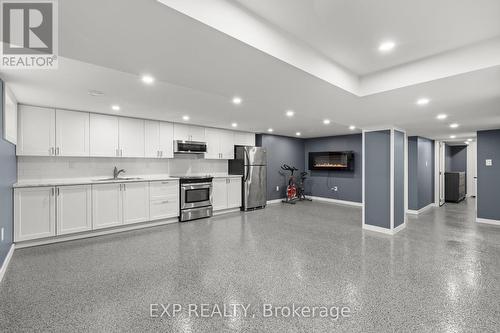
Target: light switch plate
<point>489,162</point>
<point>277,188</point>
<point>2,235</point>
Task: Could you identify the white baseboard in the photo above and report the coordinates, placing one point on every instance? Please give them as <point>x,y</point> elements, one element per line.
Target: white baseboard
<point>421,210</point>
<point>275,201</point>
<point>336,201</point>
<point>488,221</point>
<point>384,230</point>
<point>6,262</point>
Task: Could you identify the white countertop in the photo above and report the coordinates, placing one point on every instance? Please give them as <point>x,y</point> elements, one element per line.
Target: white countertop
<point>96,180</point>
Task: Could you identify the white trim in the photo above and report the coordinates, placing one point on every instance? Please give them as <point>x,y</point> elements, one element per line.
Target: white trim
<point>224,211</point>
<point>337,201</point>
<point>384,230</point>
<point>487,221</point>
<point>421,210</point>
<point>275,201</point>
<point>391,161</point>
<point>363,178</point>
<point>90,234</point>
<point>6,261</point>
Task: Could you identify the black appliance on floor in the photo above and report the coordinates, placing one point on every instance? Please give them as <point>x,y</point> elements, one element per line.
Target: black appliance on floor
<point>454,186</point>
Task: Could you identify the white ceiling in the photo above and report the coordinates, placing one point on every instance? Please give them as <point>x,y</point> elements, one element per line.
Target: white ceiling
<point>199,69</point>
<point>350,31</point>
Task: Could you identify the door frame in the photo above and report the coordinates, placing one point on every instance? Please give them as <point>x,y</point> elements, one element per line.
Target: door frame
<point>439,170</point>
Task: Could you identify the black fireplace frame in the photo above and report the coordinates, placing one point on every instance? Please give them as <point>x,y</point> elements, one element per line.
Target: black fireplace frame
<point>347,155</point>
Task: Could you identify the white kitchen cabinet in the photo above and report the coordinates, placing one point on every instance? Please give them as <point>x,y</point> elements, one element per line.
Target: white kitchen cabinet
<point>36,131</point>
<point>227,145</point>
<point>244,139</point>
<point>107,205</point>
<point>104,136</point>
<point>34,213</point>
<point>164,199</point>
<point>135,205</point>
<point>234,192</point>
<point>73,209</point>
<point>131,137</point>
<point>220,144</point>
<point>159,139</point>
<point>72,133</point>
<point>189,133</point>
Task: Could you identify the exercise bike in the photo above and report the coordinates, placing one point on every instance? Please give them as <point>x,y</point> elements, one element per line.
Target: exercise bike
<point>301,188</point>
<point>294,191</point>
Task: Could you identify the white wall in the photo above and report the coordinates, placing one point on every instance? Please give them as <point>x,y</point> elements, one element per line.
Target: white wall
<point>44,168</point>
<point>471,168</point>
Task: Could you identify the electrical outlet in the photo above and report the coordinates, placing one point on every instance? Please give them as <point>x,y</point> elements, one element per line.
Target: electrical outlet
<point>2,235</point>
<point>489,162</point>
<point>335,188</point>
<point>277,188</point>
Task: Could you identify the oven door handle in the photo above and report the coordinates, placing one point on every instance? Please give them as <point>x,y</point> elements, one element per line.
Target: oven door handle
<point>197,185</point>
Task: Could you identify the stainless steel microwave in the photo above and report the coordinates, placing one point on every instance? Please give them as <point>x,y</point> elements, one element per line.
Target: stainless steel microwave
<point>189,147</point>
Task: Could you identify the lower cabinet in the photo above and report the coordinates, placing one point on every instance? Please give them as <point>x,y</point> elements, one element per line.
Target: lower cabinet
<point>226,193</point>
<point>164,199</point>
<point>135,202</point>
<point>34,213</point>
<point>74,209</point>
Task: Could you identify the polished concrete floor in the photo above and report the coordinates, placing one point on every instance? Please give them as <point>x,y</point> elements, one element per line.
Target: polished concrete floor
<point>440,274</point>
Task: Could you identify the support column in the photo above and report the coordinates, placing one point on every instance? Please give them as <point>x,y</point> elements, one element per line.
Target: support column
<point>384,180</point>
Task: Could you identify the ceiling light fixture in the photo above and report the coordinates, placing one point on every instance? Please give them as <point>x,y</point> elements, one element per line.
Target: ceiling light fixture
<point>326,121</point>
<point>298,134</point>
<point>469,140</point>
<point>387,46</point>
<point>454,125</point>
<point>148,79</point>
<point>352,127</point>
<point>237,100</point>
<point>115,107</point>
<point>453,136</point>
<point>185,118</point>
<point>270,130</point>
<point>234,124</point>
<point>423,101</point>
<point>290,113</point>
<point>442,116</point>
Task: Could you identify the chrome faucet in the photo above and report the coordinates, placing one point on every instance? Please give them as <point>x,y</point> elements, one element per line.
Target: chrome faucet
<point>117,172</point>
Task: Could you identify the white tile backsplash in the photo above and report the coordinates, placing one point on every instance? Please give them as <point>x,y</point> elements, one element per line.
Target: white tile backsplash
<point>43,168</point>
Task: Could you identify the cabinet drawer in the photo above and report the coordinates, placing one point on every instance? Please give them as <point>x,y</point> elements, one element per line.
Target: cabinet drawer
<point>164,208</point>
<point>162,189</point>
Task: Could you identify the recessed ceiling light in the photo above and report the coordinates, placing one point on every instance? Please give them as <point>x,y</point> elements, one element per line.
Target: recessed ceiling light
<point>441,116</point>
<point>298,134</point>
<point>234,124</point>
<point>454,125</point>
<point>352,127</point>
<point>326,121</point>
<point>466,142</point>
<point>148,79</point>
<point>386,46</point>
<point>115,107</point>
<point>185,118</point>
<point>469,140</point>
<point>95,93</point>
<point>237,100</point>
<point>453,136</point>
<point>423,101</point>
<point>270,130</point>
<point>290,113</point>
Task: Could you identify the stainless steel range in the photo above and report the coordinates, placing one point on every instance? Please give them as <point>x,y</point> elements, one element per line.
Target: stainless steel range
<point>196,197</point>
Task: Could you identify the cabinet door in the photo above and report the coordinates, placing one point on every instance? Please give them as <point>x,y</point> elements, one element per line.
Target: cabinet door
<point>234,193</point>
<point>227,145</point>
<point>244,139</point>
<point>34,213</point>
<point>182,132</point>
<point>106,205</point>
<point>164,208</point>
<point>72,133</point>
<point>73,209</point>
<point>197,133</point>
<point>166,140</point>
<point>103,135</point>
<point>151,139</point>
<point>213,139</point>
<point>36,132</point>
<point>131,137</point>
<point>135,202</point>
<point>219,193</point>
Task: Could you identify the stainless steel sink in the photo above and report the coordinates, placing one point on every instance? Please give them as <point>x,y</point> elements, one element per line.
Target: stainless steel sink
<point>116,179</point>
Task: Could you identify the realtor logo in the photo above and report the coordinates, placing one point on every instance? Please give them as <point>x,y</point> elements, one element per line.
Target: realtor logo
<point>29,34</point>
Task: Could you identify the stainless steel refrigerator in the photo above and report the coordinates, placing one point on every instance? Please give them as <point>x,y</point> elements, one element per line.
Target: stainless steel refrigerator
<point>251,163</point>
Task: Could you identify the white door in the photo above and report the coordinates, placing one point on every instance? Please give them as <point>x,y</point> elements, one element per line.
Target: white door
<point>36,132</point>
<point>227,145</point>
<point>107,208</point>
<point>131,137</point>
<point>72,133</point>
<point>182,132</point>
<point>73,209</point>
<point>197,133</point>
<point>103,135</point>
<point>34,213</point>
<point>471,169</point>
<point>135,202</point>
<point>219,193</point>
<point>244,139</point>
<point>442,148</point>
<point>234,193</point>
<point>166,140</point>
<point>151,139</point>
<point>213,140</point>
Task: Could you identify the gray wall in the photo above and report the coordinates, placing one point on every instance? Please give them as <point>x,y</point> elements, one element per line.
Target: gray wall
<point>8,176</point>
<point>348,183</point>
<point>377,178</point>
<point>399,178</point>
<point>280,150</point>
<point>488,177</point>
<point>420,172</point>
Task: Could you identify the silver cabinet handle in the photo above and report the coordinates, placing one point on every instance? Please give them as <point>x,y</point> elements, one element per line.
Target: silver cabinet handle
<point>121,152</point>
<point>57,191</point>
<point>120,187</point>
<point>161,153</point>
<point>52,191</point>
<point>57,151</point>
<point>51,151</point>
<point>125,187</point>
<point>165,201</point>
<point>117,152</point>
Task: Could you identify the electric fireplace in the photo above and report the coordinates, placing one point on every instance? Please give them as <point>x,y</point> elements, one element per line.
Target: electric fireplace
<point>331,160</point>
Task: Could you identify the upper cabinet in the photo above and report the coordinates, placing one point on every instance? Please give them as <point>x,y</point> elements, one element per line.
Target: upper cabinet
<point>189,133</point>
<point>220,144</point>
<point>72,133</point>
<point>36,131</point>
<point>244,139</point>
<point>104,136</point>
<point>131,137</point>
<point>159,139</point>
